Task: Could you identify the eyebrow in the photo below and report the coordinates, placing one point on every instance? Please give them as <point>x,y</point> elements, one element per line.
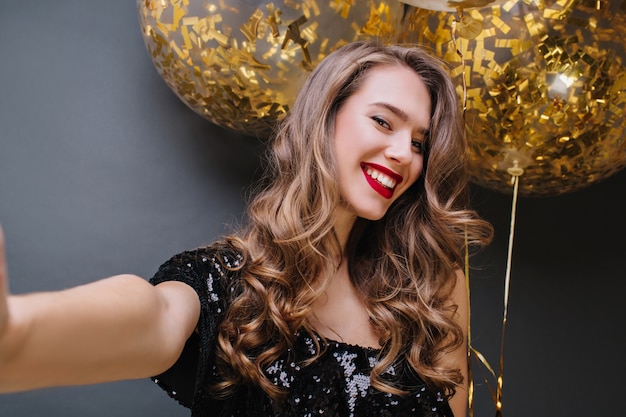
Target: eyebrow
<point>397,111</point>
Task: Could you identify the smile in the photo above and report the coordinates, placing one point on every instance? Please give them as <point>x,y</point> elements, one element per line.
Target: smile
<point>381,179</point>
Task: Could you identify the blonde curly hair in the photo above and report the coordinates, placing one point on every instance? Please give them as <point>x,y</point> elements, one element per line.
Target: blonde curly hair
<point>404,264</point>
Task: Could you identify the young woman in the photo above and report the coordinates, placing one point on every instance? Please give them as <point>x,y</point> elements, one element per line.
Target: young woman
<point>342,296</point>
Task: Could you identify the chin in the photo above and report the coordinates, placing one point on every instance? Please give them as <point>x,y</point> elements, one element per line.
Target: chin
<point>372,215</point>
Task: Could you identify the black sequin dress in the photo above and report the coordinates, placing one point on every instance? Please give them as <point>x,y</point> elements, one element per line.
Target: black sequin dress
<point>337,384</point>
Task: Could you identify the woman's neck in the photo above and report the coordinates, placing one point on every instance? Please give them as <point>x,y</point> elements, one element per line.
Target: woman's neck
<point>344,220</point>
<point>341,313</point>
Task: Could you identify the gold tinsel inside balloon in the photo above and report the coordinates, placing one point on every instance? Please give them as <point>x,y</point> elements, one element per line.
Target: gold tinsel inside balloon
<point>241,63</point>
<point>545,88</point>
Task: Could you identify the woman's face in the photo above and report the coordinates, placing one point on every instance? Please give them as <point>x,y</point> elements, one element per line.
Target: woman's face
<point>379,135</point>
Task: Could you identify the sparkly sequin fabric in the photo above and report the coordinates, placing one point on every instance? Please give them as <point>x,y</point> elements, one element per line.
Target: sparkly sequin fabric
<point>337,384</point>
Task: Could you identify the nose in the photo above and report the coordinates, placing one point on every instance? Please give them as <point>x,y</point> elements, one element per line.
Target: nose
<point>399,149</point>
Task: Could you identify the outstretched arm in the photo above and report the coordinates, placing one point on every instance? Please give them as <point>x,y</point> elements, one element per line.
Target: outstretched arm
<point>118,328</point>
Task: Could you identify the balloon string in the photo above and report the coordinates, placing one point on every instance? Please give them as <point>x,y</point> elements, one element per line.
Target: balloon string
<point>516,173</point>
<point>460,54</point>
<point>470,388</point>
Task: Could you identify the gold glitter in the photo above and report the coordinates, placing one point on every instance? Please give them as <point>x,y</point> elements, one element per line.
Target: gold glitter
<point>310,8</point>
<point>469,28</point>
<point>273,19</point>
<point>250,28</point>
<point>293,34</point>
<point>546,86</point>
<point>342,7</point>
<point>240,65</point>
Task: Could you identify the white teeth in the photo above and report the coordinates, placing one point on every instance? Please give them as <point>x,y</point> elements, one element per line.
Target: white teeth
<point>385,180</point>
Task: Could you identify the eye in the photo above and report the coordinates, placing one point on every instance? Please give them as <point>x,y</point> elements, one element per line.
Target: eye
<point>418,145</point>
<point>381,122</point>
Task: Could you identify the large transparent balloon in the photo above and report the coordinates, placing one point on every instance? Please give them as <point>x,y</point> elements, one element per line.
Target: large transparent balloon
<point>241,63</point>
<point>545,88</point>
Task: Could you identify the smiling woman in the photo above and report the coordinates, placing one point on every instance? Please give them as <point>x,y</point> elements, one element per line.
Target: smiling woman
<point>342,294</point>
<point>376,141</point>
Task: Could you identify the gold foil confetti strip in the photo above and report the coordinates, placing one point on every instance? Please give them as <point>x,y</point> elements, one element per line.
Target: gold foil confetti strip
<point>342,7</point>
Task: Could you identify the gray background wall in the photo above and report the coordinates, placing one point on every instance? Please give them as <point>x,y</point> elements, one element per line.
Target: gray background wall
<point>103,171</point>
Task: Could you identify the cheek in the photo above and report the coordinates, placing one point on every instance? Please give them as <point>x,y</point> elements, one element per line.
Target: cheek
<point>417,170</point>
<point>342,157</point>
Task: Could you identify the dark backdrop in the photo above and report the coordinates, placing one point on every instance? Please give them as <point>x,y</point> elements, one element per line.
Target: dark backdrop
<point>104,171</point>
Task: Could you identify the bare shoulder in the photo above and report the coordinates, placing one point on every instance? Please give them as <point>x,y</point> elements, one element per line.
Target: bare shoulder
<point>459,298</point>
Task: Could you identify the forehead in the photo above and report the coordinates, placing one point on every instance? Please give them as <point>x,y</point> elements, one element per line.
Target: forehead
<point>398,86</point>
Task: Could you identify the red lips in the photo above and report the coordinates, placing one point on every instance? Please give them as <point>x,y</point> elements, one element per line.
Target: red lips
<point>377,186</point>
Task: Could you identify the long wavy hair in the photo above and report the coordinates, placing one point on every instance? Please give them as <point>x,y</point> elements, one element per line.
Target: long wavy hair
<point>404,265</point>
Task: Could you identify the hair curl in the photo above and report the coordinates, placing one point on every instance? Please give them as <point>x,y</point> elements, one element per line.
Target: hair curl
<point>404,264</point>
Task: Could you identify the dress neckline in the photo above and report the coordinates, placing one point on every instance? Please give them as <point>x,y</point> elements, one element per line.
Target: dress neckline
<point>344,345</point>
